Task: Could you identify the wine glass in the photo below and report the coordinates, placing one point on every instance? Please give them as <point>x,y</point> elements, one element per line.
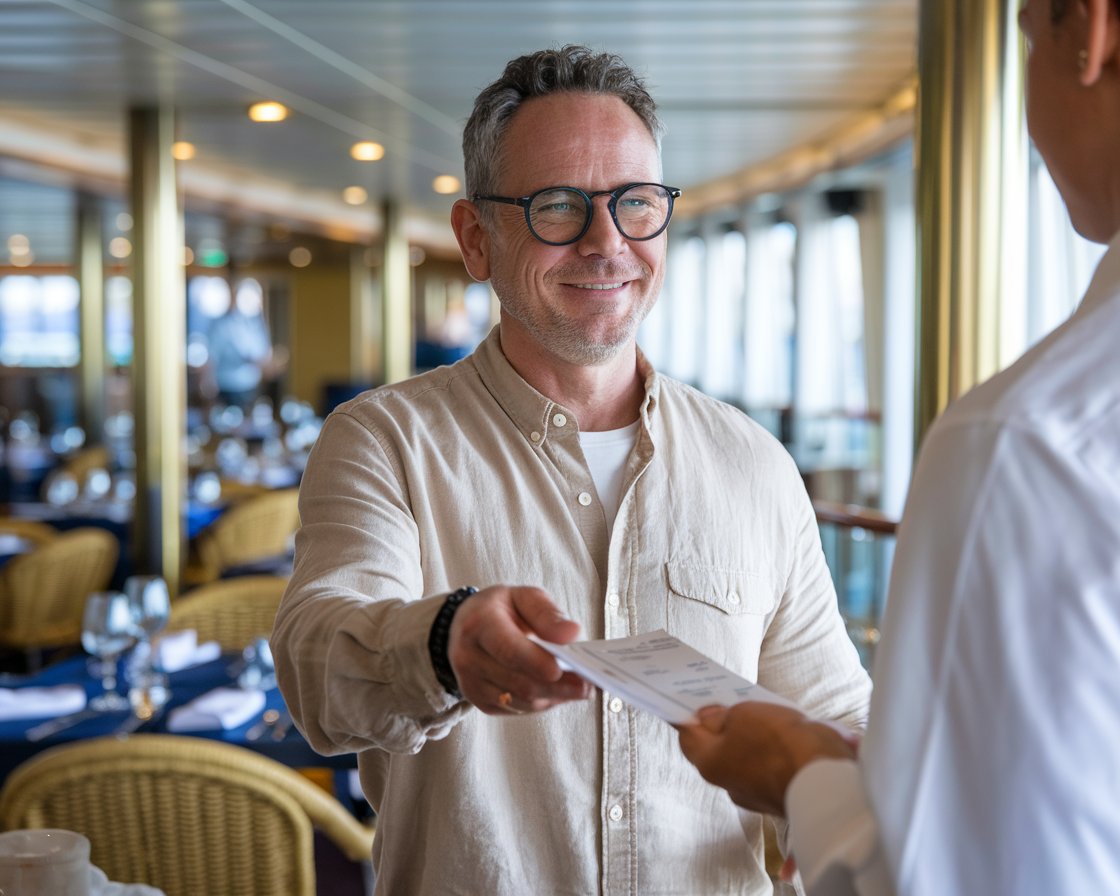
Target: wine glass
<point>150,602</point>
<point>108,629</point>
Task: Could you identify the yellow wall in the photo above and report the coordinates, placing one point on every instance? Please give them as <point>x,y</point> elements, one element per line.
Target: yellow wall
<point>320,338</point>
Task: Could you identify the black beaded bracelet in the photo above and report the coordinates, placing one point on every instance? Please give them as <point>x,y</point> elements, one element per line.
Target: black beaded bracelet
<point>438,636</point>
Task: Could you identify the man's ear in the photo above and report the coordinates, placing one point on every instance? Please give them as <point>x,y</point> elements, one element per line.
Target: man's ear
<point>1102,38</point>
<point>474,241</point>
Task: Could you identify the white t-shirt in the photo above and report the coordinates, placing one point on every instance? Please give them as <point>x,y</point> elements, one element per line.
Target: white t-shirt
<point>991,763</point>
<point>606,454</point>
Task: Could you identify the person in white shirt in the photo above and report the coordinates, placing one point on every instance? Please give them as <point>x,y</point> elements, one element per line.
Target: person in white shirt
<point>990,762</point>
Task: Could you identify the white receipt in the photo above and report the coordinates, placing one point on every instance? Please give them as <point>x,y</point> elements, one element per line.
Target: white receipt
<point>658,673</point>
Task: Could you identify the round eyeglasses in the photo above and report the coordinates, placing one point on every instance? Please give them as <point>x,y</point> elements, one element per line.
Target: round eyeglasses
<point>562,215</point>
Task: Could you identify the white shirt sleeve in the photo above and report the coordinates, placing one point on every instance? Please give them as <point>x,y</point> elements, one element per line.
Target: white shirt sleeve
<point>833,833</point>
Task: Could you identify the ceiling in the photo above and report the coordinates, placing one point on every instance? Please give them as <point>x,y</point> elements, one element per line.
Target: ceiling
<point>738,83</point>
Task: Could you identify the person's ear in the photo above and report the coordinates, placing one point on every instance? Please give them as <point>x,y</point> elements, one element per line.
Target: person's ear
<point>1102,38</point>
<point>473,238</point>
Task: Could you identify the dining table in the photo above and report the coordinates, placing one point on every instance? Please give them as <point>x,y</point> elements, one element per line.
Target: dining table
<point>281,741</point>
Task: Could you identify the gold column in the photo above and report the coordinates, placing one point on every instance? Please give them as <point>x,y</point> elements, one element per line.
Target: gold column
<point>91,283</point>
<point>396,297</point>
<point>970,197</point>
<point>363,326</point>
<point>159,340</point>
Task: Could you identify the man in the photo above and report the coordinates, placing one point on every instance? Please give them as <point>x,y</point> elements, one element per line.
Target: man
<point>240,347</point>
<point>990,765</point>
<point>586,496</point>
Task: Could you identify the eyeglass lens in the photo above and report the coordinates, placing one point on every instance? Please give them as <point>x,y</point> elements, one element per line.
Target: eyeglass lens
<point>559,215</point>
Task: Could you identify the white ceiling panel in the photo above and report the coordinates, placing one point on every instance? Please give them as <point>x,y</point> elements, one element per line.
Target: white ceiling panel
<point>738,81</point>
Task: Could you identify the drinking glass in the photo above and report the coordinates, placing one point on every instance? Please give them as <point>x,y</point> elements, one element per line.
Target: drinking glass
<point>108,629</point>
<point>150,602</point>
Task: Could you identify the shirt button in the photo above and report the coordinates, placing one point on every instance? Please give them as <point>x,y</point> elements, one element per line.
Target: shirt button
<point>584,499</point>
<point>615,813</point>
<point>732,598</point>
<point>535,436</point>
<point>613,599</point>
<point>615,705</point>
<point>559,419</point>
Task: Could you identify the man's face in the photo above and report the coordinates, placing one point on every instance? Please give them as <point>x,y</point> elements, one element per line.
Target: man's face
<point>580,303</point>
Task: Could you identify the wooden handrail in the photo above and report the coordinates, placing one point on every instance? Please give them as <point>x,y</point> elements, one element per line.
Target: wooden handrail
<point>853,516</point>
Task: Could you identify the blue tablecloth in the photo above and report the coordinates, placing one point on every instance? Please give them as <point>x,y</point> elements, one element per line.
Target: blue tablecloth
<point>185,685</point>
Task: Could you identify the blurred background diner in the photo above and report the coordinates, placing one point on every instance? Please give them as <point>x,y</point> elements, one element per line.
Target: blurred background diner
<point>219,220</point>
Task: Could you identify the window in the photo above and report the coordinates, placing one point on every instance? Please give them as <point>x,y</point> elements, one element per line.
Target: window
<point>39,321</point>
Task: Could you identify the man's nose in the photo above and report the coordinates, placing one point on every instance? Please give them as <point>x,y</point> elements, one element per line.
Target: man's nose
<point>602,237</point>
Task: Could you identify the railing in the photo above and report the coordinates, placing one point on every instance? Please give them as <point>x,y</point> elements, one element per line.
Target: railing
<point>859,547</point>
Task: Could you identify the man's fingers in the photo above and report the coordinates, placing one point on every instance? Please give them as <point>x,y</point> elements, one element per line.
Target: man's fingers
<point>543,617</point>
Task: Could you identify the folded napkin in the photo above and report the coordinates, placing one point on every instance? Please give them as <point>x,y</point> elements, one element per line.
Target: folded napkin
<point>41,703</point>
<point>180,650</point>
<point>219,708</point>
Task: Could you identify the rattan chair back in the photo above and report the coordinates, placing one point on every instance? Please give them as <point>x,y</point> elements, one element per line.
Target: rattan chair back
<point>230,611</point>
<point>256,528</point>
<point>43,593</point>
<point>188,815</point>
<point>34,531</point>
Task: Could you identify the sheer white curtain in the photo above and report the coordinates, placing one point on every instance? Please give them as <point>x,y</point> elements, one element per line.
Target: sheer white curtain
<point>831,374</point>
<point>684,309</point>
<point>769,324</point>
<point>721,364</point>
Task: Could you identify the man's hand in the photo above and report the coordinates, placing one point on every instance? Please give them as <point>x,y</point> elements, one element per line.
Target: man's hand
<point>498,668</point>
<point>754,749</point>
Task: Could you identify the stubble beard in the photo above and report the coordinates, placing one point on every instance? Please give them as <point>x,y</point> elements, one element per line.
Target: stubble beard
<point>577,341</point>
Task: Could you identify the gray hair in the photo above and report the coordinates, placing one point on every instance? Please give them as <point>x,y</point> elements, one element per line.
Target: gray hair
<point>571,69</point>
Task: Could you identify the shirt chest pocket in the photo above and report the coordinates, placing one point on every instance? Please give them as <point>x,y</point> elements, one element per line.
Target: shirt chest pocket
<point>735,592</point>
<point>722,612</point>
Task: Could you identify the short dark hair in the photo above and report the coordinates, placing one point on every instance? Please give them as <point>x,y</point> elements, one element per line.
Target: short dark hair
<point>570,69</point>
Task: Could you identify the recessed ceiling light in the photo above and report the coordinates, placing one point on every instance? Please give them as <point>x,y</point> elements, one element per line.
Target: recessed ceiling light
<point>18,243</point>
<point>354,195</point>
<point>182,151</point>
<point>124,222</point>
<point>300,257</point>
<point>367,151</point>
<point>119,247</point>
<point>446,184</point>
<point>268,111</point>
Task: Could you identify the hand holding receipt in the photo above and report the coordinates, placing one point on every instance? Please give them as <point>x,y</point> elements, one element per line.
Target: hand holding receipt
<point>658,673</point>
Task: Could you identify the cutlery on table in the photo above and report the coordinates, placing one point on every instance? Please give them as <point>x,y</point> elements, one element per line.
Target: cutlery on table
<point>136,720</point>
<point>281,726</point>
<point>53,726</point>
<point>270,718</point>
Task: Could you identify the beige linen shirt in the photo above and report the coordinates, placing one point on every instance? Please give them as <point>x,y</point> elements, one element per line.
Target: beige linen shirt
<point>467,475</point>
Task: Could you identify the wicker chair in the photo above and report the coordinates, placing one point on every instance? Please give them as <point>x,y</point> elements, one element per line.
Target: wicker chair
<point>254,529</point>
<point>230,611</point>
<point>43,593</point>
<point>185,814</point>
<point>32,530</point>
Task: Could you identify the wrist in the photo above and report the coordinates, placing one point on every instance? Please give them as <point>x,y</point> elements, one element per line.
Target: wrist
<point>439,637</point>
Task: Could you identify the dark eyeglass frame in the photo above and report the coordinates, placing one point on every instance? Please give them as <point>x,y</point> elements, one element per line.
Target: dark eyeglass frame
<point>526,203</point>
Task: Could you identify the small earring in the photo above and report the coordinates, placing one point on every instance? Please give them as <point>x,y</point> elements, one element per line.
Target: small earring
<point>1082,60</point>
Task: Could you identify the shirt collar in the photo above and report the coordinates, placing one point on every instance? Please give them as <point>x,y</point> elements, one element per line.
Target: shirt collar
<point>530,411</point>
<point>1103,285</point>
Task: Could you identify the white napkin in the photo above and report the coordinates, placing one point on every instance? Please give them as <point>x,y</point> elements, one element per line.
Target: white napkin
<point>41,703</point>
<point>100,885</point>
<point>219,708</point>
<point>180,650</point>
